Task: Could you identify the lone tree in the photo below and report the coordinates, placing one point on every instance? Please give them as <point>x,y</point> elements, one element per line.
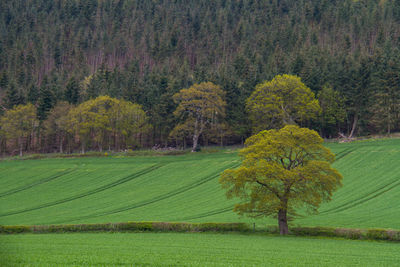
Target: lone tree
<point>282,171</point>
<point>200,105</point>
<point>281,101</point>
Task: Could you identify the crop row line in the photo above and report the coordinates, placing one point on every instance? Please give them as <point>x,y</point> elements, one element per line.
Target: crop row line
<point>364,199</point>
<point>42,181</point>
<point>90,192</point>
<point>207,214</point>
<point>158,198</point>
<point>344,153</point>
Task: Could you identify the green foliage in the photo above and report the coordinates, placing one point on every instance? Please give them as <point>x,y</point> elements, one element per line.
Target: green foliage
<point>200,106</point>
<point>107,121</point>
<point>386,99</point>
<point>333,110</point>
<point>371,234</point>
<point>283,100</point>
<point>18,124</point>
<point>282,171</point>
<point>140,54</point>
<point>12,97</point>
<point>127,226</point>
<point>56,124</point>
<point>72,92</point>
<point>46,100</point>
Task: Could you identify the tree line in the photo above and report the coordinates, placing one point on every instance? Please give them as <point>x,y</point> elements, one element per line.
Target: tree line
<point>144,52</point>
<point>97,124</point>
<point>115,124</point>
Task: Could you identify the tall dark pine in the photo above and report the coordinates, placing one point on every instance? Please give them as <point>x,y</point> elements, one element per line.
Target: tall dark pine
<point>33,94</point>
<point>12,97</point>
<point>46,100</point>
<point>72,92</point>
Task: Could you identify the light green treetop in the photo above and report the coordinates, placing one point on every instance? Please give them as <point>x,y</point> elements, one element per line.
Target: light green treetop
<point>283,100</point>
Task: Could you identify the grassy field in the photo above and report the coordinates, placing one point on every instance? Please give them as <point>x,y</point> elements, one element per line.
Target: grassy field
<point>190,249</point>
<point>185,188</point>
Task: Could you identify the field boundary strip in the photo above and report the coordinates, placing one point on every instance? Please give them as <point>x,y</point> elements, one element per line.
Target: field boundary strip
<point>156,199</point>
<point>87,193</point>
<point>330,232</point>
<point>42,181</point>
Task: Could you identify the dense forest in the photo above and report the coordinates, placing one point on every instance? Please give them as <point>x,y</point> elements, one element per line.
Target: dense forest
<point>54,52</point>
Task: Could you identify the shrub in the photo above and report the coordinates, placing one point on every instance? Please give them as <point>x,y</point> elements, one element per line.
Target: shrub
<point>14,229</point>
<point>349,233</point>
<point>378,234</point>
<point>313,231</point>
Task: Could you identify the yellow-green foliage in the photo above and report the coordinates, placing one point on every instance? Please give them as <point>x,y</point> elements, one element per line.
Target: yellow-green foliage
<point>283,100</point>
<point>18,123</point>
<point>282,170</point>
<point>107,117</point>
<point>200,105</point>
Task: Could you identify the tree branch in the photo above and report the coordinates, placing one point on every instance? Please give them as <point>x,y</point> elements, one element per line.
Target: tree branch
<point>269,188</point>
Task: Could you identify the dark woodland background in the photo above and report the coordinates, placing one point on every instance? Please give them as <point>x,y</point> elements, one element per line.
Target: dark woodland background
<point>346,52</point>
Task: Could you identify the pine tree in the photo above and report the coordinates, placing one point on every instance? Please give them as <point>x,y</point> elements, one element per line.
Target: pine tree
<point>12,97</point>
<point>33,94</point>
<point>72,92</point>
<point>46,100</point>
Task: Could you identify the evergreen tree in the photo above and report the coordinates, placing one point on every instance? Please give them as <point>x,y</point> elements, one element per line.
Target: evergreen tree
<point>72,91</point>
<point>12,97</point>
<point>46,100</point>
<point>33,94</point>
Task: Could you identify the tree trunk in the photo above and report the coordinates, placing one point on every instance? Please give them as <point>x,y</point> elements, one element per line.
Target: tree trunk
<point>353,128</point>
<point>20,146</point>
<point>282,221</point>
<point>195,141</point>
<point>196,135</point>
<point>61,144</point>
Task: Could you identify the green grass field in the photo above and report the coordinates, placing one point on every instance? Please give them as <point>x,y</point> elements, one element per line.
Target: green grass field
<point>185,188</point>
<point>190,249</point>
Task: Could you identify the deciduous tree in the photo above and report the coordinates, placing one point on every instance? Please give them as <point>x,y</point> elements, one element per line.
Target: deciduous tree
<point>107,121</point>
<point>282,171</point>
<point>283,100</point>
<point>56,124</point>
<point>18,124</point>
<point>200,105</point>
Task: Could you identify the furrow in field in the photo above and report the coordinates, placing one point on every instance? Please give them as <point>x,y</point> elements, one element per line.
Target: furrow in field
<point>42,181</point>
<point>156,199</point>
<point>87,193</point>
<point>344,153</point>
<point>363,199</point>
<point>207,214</point>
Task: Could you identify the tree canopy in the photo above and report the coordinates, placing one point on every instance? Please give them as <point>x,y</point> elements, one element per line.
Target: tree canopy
<point>108,122</point>
<point>146,51</point>
<point>200,105</point>
<point>18,124</point>
<point>283,100</point>
<point>282,171</point>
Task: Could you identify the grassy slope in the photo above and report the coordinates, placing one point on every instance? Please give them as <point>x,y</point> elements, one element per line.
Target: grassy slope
<point>185,188</point>
<point>172,249</point>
